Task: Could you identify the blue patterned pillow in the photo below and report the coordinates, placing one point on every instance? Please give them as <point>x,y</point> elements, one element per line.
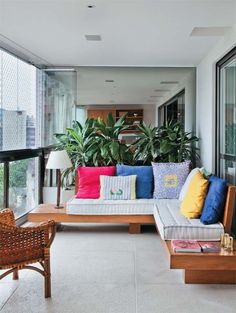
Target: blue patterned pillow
<point>169,179</point>
<point>117,187</point>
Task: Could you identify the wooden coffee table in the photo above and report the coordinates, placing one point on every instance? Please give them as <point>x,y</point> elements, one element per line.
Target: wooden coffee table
<point>204,268</point>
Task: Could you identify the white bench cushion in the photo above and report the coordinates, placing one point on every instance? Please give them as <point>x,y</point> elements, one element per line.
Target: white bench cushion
<point>170,223</point>
<point>173,225</point>
<point>110,207</point>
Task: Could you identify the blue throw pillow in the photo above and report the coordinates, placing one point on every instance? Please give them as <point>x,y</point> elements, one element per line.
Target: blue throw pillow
<point>215,201</point>
<point>144,180</point>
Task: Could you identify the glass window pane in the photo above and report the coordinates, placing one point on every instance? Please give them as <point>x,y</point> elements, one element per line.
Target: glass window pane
<point>59,103</point>
<point>23,185</point>
<point>228,121</point>
<point>1,185</point>
<point>17,103</point>
<point>173,110</point>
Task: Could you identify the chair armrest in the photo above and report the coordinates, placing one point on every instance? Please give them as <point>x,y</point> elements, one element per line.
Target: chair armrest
<point>21,245</point>
<point>7,217</point>
<point>28,237</point>
<point>47,228</point>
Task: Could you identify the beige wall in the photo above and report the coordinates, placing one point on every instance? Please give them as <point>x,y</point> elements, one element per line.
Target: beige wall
<point>206,81</point>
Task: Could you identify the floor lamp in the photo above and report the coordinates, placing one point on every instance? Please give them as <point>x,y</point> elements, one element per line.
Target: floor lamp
<point>58,160</point>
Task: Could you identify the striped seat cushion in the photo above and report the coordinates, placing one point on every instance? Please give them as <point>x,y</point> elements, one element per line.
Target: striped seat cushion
<point>173,225</point>
<point>110,207</point>
<point>170,223</point>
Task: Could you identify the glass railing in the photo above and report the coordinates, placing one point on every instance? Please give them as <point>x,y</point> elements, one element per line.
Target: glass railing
<point>21,179</point>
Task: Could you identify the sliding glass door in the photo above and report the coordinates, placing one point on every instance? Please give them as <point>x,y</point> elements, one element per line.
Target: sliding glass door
<point>226,121</point>
<point>59,102</point>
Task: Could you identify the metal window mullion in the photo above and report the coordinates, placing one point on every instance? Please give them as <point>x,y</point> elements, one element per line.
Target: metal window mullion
<point>6,184</point>
<point>41,176</point>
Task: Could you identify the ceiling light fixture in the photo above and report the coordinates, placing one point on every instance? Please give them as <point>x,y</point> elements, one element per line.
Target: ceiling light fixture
<point>209,31</point>
<point>109,80</point>
<point>91,6</point>
<point>170,82</point>
<point>93,37</point>
<point>161,90</point>
<point>59,70</point>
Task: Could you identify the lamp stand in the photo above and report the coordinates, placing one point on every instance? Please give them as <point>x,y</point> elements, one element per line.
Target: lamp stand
<point>58,206</point>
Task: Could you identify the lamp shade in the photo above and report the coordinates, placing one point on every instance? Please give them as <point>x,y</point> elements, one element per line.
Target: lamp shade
<point>58,160</point>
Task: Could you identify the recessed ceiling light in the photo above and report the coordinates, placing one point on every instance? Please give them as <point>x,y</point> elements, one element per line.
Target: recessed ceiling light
<point>109,80</point>
<point>170,82</point>
<point>93,37</point>
<point>161,90</point>
<point>209,31</point>
<point>91,6</point>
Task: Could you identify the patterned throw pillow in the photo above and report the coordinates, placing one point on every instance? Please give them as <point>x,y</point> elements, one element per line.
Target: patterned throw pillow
<point>117,187</point>
<point>169,179</point>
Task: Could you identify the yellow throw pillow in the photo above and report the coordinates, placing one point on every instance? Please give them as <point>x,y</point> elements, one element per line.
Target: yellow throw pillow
<point>193,202</point>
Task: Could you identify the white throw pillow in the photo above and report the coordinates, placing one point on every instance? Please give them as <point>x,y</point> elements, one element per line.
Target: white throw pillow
<point>184,189</point>
<point>118,188</point>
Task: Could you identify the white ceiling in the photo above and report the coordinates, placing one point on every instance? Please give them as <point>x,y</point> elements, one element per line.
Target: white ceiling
<point>134,32</point>
<point>130,86</point>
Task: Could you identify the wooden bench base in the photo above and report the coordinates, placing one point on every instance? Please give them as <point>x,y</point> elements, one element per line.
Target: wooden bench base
<point>134,228</point>
<point>46,212</point>
<point>209,277</point>
<point>204,268</point>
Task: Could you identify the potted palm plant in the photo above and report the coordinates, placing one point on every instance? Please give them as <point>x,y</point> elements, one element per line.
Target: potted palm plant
<point>168,143</point>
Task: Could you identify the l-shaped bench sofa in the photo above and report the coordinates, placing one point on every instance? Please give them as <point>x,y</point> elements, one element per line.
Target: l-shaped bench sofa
<point>170,223</point>
<point>165,213</point>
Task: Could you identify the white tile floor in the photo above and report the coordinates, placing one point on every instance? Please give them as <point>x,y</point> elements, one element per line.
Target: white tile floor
<point>103,269</point>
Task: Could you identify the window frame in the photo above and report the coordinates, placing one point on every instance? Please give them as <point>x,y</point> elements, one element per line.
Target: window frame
<point>168,102</point>
<point>15,155</point>
<point>219,65</point>
<point>7,156</point>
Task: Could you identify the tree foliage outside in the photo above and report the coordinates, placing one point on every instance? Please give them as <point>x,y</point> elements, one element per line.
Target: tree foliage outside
<point>17,178</point>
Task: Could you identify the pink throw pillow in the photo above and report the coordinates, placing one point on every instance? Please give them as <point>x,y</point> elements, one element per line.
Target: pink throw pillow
<point>89,180</point>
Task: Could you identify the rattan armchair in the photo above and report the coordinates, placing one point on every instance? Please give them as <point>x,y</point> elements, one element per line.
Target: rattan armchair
<point>22,246</point>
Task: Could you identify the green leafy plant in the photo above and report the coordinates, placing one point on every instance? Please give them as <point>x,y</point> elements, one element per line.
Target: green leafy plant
<point>147,147</point>
<point>97,143</point>
<point>176,145</point>
<point>112,150</point>
<point>80,142</point>
<point>168,143</point>
<point>94,144</point>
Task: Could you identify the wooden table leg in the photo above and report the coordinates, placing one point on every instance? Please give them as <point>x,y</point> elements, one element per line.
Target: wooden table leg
<point>209,277</point>
<point>134,228</point>
<point>15,275</point>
